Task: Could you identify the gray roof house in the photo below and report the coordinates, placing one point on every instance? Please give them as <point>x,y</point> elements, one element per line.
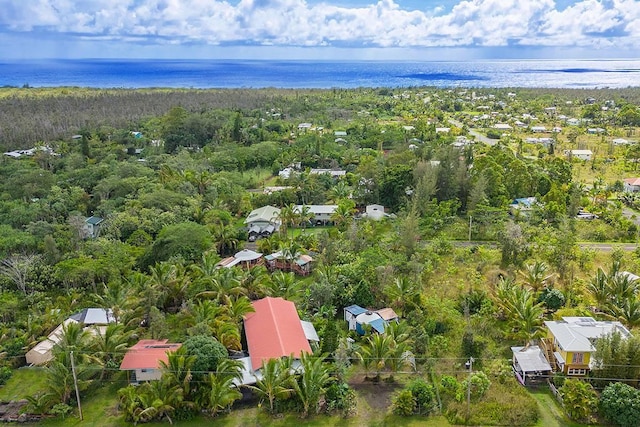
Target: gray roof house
<point>92,226</point>
<point>264,216</point>
<point>529,363</point>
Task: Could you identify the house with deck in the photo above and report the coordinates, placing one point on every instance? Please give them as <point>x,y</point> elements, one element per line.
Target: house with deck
<point>300,263</point>
<point>246,258</point>
<point>529,364</point>
<point>570,342</point>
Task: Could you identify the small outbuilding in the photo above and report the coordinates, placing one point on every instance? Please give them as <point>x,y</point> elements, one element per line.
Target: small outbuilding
<point>245,258</point>
<point>529,363</point>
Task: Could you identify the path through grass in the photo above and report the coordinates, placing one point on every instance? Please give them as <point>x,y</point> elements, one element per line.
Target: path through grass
<point>551,414</point>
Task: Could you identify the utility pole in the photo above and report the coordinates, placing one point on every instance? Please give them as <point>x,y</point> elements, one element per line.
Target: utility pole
<point>470,219</point>
<point>469,365</point>
<point>75,383</point>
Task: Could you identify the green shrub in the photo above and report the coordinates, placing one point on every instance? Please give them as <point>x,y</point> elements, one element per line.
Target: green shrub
<point>620,404</point>
<point>424,396</point>
<point>339,397</point>
<point>507,404</point>
<point>403,403</point>
<point>479,386</point>
<point>5,374</point>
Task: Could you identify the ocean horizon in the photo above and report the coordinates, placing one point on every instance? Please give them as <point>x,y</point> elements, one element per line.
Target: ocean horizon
<point>315,74</point>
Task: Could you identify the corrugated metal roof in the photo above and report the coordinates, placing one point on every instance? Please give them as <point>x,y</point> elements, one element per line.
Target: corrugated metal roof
<point>274,331</point>
<point>579,333</point>
<point>309,331</point>
<point>94,316</point>
<point>531,359</point>
<point>355,309</point>
<point>387,313</point>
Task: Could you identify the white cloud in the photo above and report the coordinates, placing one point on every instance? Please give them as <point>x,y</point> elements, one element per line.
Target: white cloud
<point>597,23</point>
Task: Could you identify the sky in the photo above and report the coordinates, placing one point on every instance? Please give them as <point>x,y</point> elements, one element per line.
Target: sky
<point>320,29</point>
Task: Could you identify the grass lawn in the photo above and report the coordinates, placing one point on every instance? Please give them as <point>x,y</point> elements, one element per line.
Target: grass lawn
<point>98,410</point>
<point>24,382</point>
<point>551,415</point>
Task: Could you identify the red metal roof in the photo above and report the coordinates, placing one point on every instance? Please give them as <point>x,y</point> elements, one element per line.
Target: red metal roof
<point>632,181</point>
<point>147,354</point>
<point>274,331</point>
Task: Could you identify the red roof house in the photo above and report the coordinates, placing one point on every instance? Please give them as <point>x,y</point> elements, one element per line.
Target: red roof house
<point>144,359</point>
<point>274,331</point>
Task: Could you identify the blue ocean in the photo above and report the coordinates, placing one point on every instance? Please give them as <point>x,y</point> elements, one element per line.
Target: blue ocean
<point>147,73</point>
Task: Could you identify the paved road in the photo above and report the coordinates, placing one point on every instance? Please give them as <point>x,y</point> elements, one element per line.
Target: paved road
<point>631,214</point>
<point>603,247</point>
<point>479,137</point>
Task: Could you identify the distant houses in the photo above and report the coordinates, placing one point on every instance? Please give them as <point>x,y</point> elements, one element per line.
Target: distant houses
<point>321,214</point>
<point>631,185</point>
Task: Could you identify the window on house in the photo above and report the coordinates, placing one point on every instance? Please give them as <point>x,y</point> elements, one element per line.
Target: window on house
<point>572,371</point>
<point>577,358</point>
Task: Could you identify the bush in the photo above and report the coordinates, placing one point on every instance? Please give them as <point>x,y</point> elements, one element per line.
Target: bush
<point>620,404</point>
<point>424,396</point>
<point>553,299</point>
<point>479,386</point>
<point>5,374</point>
<point>578,398</point>
<point>403,403</point>
<point>506,404</point>
<point>339,397</point>
<point>208,352</point>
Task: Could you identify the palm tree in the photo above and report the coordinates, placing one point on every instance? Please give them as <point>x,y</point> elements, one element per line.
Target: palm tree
<point>253,280</point>
<point>73,338</point>
<point>177,369</point>
<point>284,285</point>
<point>375,352</point>
<point>158,399</point>
<point>402,294</point>
<point>621,289</point>
<point>226,238</point>
<point>288,217</point>
<point>220,391</point>
<point>275,382</point>
<point>340,191</point>
<point>598,287</point>
<point>171,282</point>
<point>109,346</point>
<point>310,384</point>
<point>528,321</point>
<point>236,308</point>
<point>343,214</point>
<point>225,282</point>
<point>116,296</point>
<point>60,384</point>
<point>535,275</point>
<point>629,312</point>
<point>305,216</point>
